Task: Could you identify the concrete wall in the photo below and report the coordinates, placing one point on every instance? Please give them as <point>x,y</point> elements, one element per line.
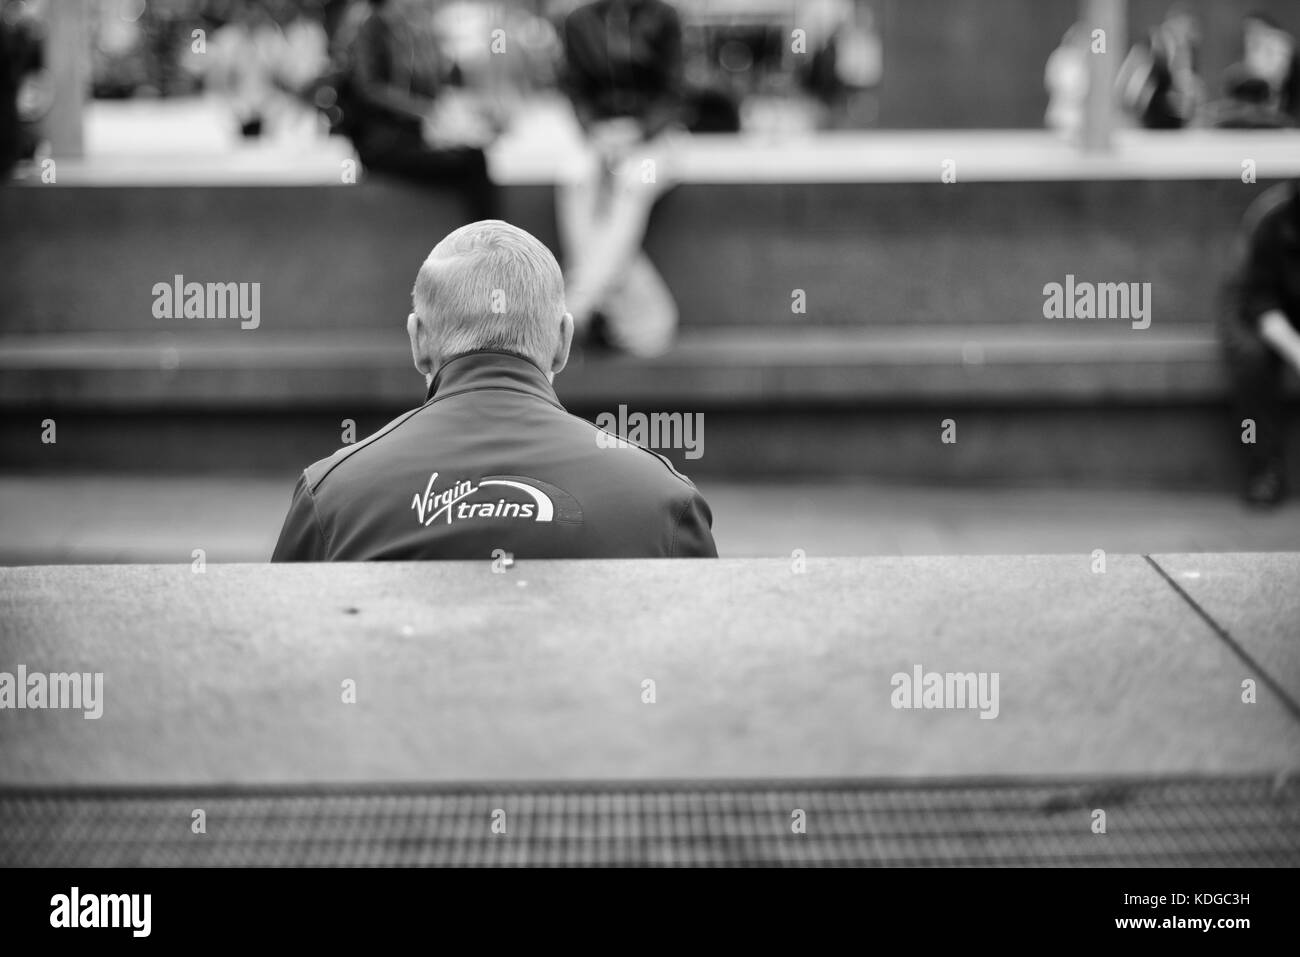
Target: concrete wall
<point>83,259</point>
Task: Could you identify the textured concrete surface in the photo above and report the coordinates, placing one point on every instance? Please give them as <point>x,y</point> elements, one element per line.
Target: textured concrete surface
<point>1257,602</point>
<point>235,675</point>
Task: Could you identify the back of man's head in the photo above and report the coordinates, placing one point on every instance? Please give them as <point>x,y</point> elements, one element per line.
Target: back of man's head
<point>489,286</point>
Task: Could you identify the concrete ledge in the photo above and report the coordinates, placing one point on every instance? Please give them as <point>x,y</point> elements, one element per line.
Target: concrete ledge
<point>917,156</point>
<point>1064,363</point>
<point>187,144</point>
<point>233,676</point>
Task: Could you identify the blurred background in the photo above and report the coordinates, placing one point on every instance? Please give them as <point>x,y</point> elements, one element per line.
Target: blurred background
<point>868,201</point>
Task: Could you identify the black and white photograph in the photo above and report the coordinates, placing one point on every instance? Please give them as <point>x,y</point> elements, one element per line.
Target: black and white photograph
<point>649,435</point>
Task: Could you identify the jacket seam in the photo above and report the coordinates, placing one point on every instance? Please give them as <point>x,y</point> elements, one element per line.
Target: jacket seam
<point>320,526</point>
<point>677,527</point>
<point>672,469</point>
<point>361,445</point>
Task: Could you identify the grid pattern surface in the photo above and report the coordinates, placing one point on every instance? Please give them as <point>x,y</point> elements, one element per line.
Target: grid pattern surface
<point>1200,822</point>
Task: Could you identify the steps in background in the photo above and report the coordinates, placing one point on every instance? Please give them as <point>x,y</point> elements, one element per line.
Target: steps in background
<point>924,302</point>
<point>1078,403</point>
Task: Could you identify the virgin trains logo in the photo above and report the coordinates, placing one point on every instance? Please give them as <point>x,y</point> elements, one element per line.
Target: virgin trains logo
<point>495,497</point>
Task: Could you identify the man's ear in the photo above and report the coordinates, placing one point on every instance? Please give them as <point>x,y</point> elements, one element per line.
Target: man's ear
<point>561,358</point>
<point>419,345</point>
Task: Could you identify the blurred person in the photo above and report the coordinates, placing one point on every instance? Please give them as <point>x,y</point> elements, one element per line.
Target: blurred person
<point>623,74</point>
<point>1157,81</point>
<point>306,44</point>
<point>240,63</point>
<point>491,463</point>
<point>334,12</point>
<point>166,38</point>
<point>400,112</point>
<point>267,59</point>
<point>1066,80</point>
<point>303,62</point>
<point>1246,104</point>
<point>119,59</point>
<point>500,84</point>
<point>1259,331</point>
<point>846,71</point>
<point>1265,86</point>
<point>23,93</point>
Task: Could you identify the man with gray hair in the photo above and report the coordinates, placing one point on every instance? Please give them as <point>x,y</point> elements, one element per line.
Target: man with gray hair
<point>491,466</point>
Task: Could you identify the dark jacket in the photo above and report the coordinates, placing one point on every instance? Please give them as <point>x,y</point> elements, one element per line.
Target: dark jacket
<point>1267,276</point>
<point>382,94</point>
<point>624,59</point>
<point>21,52</point>
<point>493,461</point>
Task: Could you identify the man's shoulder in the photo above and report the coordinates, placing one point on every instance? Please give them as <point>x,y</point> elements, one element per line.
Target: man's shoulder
<point>637,458</point>
<point>316,473</point>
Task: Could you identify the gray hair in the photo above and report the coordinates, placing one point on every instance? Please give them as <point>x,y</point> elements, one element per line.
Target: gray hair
<point>491,285</point>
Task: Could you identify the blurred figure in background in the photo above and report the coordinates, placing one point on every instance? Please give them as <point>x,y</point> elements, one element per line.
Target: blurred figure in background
<point>1066,79</point>
<point>303,61</point>
<point>165,36</point>
<point>400,110</point>
<point>846,72</point>
<point>21,99</point>
<point>623,74</point>
<point>1263,90</point>
<point>498,52</point>
<point>1157,82</point>
<point>333,13</point>
<point>240,64</point>
<point>1259,330</point>
<point>120,52</point>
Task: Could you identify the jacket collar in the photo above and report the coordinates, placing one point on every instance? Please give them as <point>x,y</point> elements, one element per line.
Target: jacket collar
<point>474,371</point>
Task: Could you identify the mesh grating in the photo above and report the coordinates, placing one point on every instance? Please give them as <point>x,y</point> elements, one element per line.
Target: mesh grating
<point>1202,822</point>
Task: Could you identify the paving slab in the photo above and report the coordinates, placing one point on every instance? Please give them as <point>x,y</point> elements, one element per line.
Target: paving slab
<point>1255,599</point>
<point>236,675</point>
